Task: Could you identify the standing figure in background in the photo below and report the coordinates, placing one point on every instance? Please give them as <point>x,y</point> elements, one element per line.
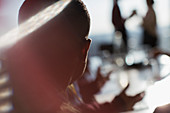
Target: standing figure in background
<point>119,22</point>
<point>149,26</point>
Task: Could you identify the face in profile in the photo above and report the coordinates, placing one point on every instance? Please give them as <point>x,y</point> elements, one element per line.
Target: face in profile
<point>60,50</point>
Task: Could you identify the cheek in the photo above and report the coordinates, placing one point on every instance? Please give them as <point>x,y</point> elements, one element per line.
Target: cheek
<point>60,68</point>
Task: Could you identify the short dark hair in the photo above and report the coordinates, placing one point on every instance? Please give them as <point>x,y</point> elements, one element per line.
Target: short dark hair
<point>152,2</point>
<point>76,13</point>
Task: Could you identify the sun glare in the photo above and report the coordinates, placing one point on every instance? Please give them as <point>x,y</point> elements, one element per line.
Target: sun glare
<point>32,24</point>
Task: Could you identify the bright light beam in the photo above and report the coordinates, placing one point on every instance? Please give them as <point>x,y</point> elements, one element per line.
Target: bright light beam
<point>32,24</point>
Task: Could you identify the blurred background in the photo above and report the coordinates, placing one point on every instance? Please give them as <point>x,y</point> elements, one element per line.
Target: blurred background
<point>101,13</point>
<point>135,65</point>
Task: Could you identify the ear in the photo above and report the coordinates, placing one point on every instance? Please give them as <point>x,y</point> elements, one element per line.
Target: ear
<point>86,48</point>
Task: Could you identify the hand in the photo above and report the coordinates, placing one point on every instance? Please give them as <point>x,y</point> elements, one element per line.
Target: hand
<point>124,102</point>
<point>100,79</point>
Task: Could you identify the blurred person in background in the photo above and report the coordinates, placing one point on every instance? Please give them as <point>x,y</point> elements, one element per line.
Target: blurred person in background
<point>150,37</point>
<point>119,22</point>
<point>45,63</point>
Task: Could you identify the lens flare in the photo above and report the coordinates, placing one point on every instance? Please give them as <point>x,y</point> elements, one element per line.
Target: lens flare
<point>32,24</point>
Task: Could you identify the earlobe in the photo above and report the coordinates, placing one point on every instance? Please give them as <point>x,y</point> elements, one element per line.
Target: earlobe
<point>86,47</point>
<point>88,44</point>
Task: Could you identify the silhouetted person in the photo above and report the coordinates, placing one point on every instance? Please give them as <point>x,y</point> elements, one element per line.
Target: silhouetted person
<point>119,22</point>
<point>43,65</point>
<point>149,26</point>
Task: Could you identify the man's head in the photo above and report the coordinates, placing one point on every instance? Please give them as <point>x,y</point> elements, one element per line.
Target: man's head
<point>150,2</point>
<point>61,44</point>
<point>116,1</point>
